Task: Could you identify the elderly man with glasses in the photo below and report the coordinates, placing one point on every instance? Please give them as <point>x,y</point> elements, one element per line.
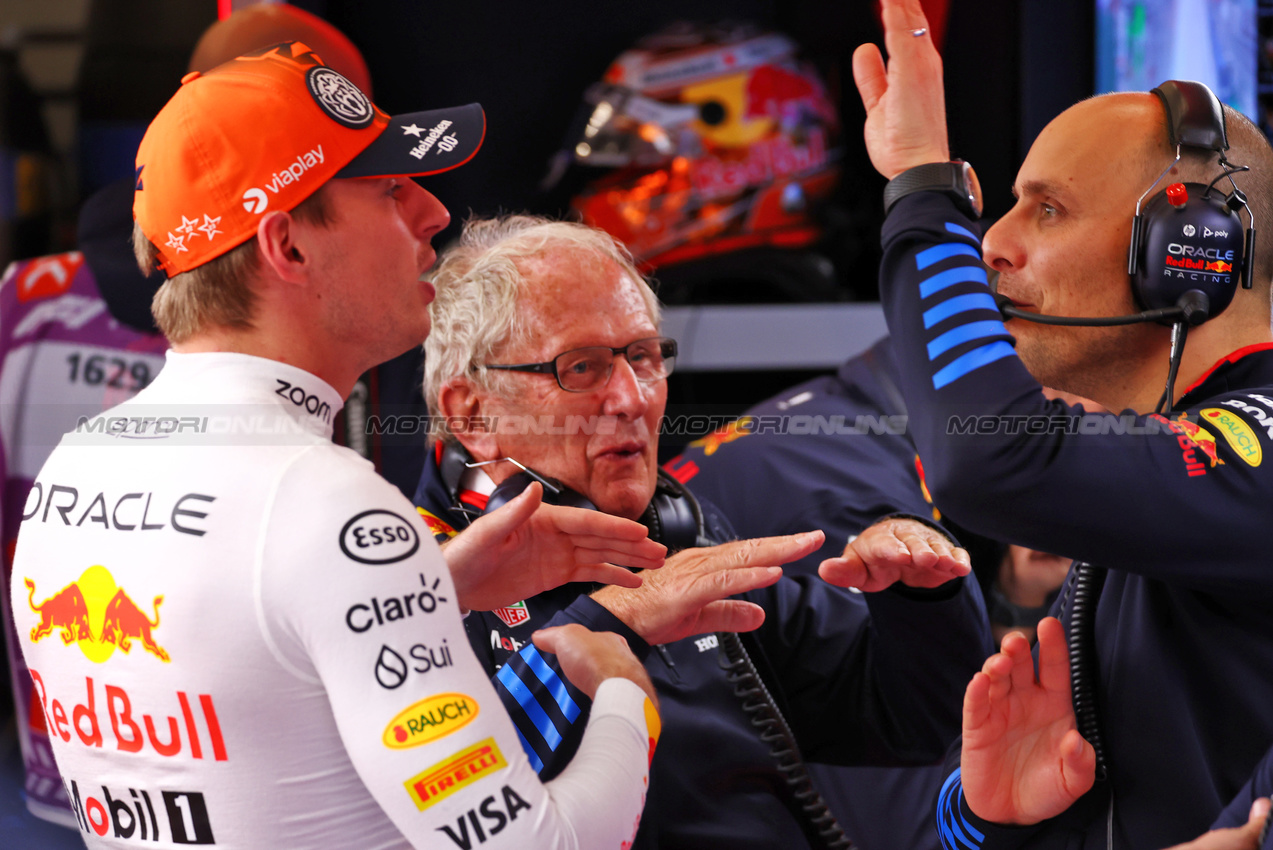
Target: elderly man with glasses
<point>545,367</point>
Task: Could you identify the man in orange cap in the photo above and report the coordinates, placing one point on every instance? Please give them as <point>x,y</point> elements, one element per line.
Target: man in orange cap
<point>235,631</point>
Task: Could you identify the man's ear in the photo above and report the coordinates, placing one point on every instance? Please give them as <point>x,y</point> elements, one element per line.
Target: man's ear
<point>279,239</point>
<point>462,407</point>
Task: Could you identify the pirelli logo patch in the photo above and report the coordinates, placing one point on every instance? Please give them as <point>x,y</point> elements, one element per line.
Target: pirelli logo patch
<point>464,768</point>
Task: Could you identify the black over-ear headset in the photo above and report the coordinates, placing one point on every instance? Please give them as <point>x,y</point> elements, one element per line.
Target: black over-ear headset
<point>673,516</point>
<point>1188,248</point>
<point>1190,239</point>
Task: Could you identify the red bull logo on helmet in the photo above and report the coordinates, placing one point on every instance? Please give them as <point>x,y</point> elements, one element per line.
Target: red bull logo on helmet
<point>97,615</point>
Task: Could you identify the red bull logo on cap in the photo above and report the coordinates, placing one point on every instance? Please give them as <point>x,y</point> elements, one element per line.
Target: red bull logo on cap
<point>97,615</point>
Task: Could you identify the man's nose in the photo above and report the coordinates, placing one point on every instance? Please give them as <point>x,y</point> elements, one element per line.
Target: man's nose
<point>1000,249</point>
<point>625,395</point>
<point>425,214</point>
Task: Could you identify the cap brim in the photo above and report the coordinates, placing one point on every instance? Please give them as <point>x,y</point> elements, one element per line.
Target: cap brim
<point>420,143</point>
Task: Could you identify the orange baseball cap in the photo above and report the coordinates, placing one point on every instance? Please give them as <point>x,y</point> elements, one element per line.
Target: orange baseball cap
<point>264,132</point>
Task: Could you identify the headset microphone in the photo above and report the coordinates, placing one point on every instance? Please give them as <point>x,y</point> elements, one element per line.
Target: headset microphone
<point>1193,307</point>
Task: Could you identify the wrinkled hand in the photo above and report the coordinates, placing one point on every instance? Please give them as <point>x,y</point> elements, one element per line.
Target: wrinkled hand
<point>1023,759</point>
<point>588,658</point>
<point>1245,837</point>
<point>895,550</point>
<point>905,104</point>
<point>526,547</point>
<point>688,595</point>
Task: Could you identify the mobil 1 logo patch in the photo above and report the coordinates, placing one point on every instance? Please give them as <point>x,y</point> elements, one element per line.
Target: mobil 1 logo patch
<point>178,817</point>
<point>378,537</point>
<point>339,98</point>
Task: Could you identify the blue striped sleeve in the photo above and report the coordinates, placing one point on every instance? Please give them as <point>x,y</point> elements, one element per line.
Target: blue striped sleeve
<point>933,284</point>
<point>937,253</point>
<point>953,828</point>
<point>964,333</point>
<point>971,362</point>
<point>556,687</point>
<point>960,230</point>
<point>959,304</point>
<point>535,761</point>
<point>517,688</point>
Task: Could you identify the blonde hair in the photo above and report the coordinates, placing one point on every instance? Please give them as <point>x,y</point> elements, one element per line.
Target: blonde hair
<point>219,292</point>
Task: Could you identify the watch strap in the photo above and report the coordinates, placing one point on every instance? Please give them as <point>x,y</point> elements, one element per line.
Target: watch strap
<point>944,177</point>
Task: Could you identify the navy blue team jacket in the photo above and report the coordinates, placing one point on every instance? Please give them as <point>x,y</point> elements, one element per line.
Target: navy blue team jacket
<point>872,678</point>
<point>1175,507</point>
<point>830,453</point>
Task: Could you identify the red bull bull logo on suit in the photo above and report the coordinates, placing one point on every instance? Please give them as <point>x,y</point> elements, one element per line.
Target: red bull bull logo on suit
<point>96,614</point>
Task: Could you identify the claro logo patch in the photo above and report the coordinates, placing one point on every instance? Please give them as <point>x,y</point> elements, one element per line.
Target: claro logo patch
<point>429,719</point>
<point>378,537</point>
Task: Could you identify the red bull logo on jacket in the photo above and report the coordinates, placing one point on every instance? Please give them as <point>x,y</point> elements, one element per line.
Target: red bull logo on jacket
<point>725,434</point>
<point>97,615</point>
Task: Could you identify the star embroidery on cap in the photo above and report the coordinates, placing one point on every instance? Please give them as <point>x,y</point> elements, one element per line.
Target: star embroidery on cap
<point>209,225</point>
<point>176,243</point>
<point>187,226</point>
<point>412,130</point>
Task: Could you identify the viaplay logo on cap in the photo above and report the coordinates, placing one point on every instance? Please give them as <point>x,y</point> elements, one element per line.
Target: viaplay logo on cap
<point>339,98</point>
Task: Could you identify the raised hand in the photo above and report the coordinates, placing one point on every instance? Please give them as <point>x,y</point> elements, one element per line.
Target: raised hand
<point>905,103</point>
<point>526,547</point>
<point>688,595</point>
<point>1023,759</point>
<point>893,550</point>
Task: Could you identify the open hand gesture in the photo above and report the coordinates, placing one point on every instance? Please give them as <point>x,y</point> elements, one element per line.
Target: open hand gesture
<point>893,550</point>
<point>526,547</point>
<point>1023,758</point>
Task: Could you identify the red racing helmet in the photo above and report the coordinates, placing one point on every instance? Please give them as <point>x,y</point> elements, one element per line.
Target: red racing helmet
<point>715,139</point>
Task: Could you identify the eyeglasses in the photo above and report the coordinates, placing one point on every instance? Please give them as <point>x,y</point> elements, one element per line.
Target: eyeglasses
<point>585,369</point>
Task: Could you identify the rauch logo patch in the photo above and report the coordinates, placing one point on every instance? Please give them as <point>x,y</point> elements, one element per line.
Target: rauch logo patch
<point>429,719</point>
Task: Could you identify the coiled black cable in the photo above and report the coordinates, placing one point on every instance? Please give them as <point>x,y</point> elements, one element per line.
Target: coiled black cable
<point>763,713</point>
<point>1087,583</point>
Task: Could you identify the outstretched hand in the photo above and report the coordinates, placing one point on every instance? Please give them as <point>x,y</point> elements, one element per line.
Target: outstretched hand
<point>688,595</point>
<point>1023,758</point>
<point>905,103</point>
<point>894,550</point>
<point>526,547</point>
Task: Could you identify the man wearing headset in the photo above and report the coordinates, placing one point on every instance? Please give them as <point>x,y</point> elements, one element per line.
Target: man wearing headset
<point>1165,508</point>
<point>545,354</point>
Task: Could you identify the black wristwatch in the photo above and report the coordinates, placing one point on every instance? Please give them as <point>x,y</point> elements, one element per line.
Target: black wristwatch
<point>955,178</point>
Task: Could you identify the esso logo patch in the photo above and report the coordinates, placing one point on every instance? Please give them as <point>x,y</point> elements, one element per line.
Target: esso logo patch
<point>378,537</point>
